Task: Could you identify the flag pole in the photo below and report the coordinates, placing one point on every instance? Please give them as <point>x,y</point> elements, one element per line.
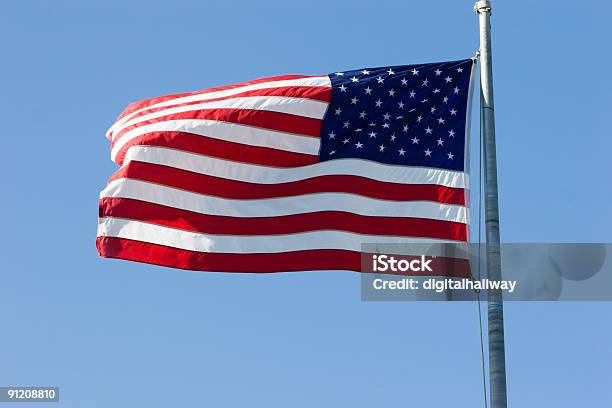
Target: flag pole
<point>497,358</point>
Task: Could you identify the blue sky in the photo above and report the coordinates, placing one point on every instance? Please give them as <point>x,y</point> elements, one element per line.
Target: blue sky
<point>120,334</point>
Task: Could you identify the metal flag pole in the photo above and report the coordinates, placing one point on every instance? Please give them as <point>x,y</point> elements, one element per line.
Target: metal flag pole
<point>497,358</point>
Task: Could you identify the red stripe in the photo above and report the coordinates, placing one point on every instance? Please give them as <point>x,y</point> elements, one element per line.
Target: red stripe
<point>288,224</point>
<point>311,260</point>
<point>322,94</point>
<point>219,148</point>
<point>220,187</point>
<point>282,122</point>
<point>134,106</point>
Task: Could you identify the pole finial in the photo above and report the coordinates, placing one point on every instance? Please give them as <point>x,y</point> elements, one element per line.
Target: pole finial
<point>482,6</point>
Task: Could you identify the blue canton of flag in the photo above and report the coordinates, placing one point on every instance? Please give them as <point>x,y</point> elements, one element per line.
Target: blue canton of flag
<point>412,115</point>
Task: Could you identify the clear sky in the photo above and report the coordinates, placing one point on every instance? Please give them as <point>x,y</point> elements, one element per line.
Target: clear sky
<point>118,334</point>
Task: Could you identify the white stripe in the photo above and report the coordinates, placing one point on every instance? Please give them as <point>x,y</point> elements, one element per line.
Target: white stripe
<point>193,241</point>
<point>273,207</point>
<point>295,106</point>
<point>271,175</point>
<point>231,132</point>
<point>320,81</point>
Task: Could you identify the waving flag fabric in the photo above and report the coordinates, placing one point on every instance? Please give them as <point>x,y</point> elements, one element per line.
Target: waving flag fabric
<point>291,173</point>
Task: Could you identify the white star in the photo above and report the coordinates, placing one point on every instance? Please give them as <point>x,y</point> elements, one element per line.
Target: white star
<point>371,124</point>
<point>427,152</point>
<point>436,90</point>
<point>425,82</point>
<point>456,90</point>
<point>332,135</point>
<point>382,148</point>
<point>378,103</point>
<point>339,73</point>
<point>440,142</point>
<point>392,92</point>
<point>368,91</point>
<point>453,112</point>
<point>399,117</point>
<point>419,118</point>
<point>448,79</point>
<point>401,105</point>
<point>386,116</point>
<point>362,115</point>
<point>380,80</point>
<point>393,137</point>
<point>390,71</point>
<point>424,100</point>
<point>358,130</point>
<point>415,140</point>
<point>405,128</point>
<point>372,134</point>
<point>346,124</point>
<point>342,88</point>
<point>365,72</point>
<point>445,100</point>
<point>354,79</point>
<point>338,111</point>
<point>345,141</point>
<point>415,72</point>
<point>358,145</point>
<point>385,125</point>
<point>450,156</point>
<point>460,70</point>
<point>332,152</point>
<point>412,94</point>
<point>404,81</point>
<point>438,72</point>
<point>433,109</point>
<point>402,152</point>
<point>428,130</point>
<point>354,100</point>
<point>451,133</point>
<point>441,121</point>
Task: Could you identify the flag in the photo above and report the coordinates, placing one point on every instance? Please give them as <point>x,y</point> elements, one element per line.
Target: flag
<point>291,173</point>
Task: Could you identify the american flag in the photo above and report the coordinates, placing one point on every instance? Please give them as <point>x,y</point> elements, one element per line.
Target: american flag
<point>291,173</point>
